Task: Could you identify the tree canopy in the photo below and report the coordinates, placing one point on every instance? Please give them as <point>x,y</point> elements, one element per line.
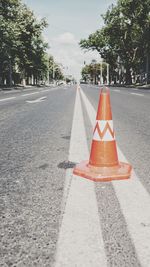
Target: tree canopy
<point>125,36</point>
<point>23,51</point>
<point>92,72</point>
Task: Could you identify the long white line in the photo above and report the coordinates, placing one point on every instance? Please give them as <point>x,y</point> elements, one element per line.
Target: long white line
<point>8,98</point>
<point>47,90</point>
<point>41,91</point>
<point>116,90</point>
<point>10,92</point>
<point>30,94</point>
<point>80,240</point>
<point>135,204</point>
<point>27,90</point>
<point>136,94</point>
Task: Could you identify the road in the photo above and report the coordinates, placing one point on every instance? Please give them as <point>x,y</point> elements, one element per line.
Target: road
<point>50,217</point>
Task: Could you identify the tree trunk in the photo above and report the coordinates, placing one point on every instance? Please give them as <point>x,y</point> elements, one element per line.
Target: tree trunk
<point>128,75</point>
<point>147,68</point>
<point>10,73</point>
<point>23,82</point>
<point>1,78</point>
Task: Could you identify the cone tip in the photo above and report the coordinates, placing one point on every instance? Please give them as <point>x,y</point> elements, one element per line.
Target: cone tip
<point>105,90</point>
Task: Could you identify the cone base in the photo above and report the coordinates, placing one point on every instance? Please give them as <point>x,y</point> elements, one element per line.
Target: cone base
<point>103,174</point>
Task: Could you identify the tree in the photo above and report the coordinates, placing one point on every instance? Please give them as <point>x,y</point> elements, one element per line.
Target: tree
<point>9,36</point>
<point>125,35</point>
<point>92,72</point>
<point>55,71</point>
<point>21,44</point>
<point>32,48</point>
<point>58,73</point>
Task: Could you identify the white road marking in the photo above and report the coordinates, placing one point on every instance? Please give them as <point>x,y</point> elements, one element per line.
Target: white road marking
<point>10,92</point>
<point>41,91</point>
<point>24,95</point>
<point>47,90</point>
<point>116,90</point>
<point>136,94</point>
<point>135,204</point>
<point>7,99</point>
<point>37,100</point>
<point>80,239</point>
<point>27,90</point>
<point>34,93</point>
<point>134,201</point>
<point>17,91</point>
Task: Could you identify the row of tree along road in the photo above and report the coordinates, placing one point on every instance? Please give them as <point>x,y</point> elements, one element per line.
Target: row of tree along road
<point>123,42</point>
<point>23,52</point>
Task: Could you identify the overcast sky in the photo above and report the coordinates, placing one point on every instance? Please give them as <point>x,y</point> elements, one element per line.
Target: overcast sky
<point>70,21</point>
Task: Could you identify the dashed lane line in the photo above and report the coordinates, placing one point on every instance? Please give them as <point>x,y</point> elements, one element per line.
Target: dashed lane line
<point>7,99</point>
<point>30,94</point>
<point>116,90</point>
<point>39,100</point>
<point>136,94</point>
<point>47,90</point>
<point>10,92</point>
<point>24,90</point>
<point>134,201</point>
<point>80,240</point>
<point>17,91</point>
<point>42,91</point>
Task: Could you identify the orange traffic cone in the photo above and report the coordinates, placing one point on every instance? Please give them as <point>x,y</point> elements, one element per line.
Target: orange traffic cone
<point>103,164</point>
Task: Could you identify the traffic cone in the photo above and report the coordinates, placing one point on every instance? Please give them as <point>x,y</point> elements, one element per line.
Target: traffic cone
<point>103,164</point>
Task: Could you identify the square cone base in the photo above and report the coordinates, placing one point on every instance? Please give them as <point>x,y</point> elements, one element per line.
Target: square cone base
<point>103,174</point>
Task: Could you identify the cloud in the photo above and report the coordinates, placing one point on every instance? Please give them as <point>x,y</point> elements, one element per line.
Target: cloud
<point>66,38</point>
<point>66,50</point>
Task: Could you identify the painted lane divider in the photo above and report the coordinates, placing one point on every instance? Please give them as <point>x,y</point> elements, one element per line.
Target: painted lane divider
<point>14,91</point>
<point>10,92</point>
<point>80,240</point>
<point>7,99</point>
<point>134,201</point>
<point>42,91</point>
<point>41,99</point>
<point>116,90</point>
<point>136,94</point>
<point>31,94</point>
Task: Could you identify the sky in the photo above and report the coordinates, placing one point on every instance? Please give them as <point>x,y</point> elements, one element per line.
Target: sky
<point>69,22</point>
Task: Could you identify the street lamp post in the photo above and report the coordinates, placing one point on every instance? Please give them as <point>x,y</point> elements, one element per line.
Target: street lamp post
<point>147,68</point>
<point>53,72</point>
<point>48,73</point>
<point>107,73</point>
<point>94,70</point>
<point>101,72</point>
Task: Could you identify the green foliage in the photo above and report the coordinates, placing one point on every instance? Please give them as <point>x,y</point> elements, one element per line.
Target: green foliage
<point>21,43</point>
<point>125,35</point>
<point>55,71</point>
<point>92,72</point>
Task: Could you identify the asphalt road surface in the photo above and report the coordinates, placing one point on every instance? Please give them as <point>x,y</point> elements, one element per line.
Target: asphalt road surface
<point>50,217</point>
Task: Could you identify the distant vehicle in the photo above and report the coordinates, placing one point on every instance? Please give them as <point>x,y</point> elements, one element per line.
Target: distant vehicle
<point>61,83</point>
<point>82,82</point>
